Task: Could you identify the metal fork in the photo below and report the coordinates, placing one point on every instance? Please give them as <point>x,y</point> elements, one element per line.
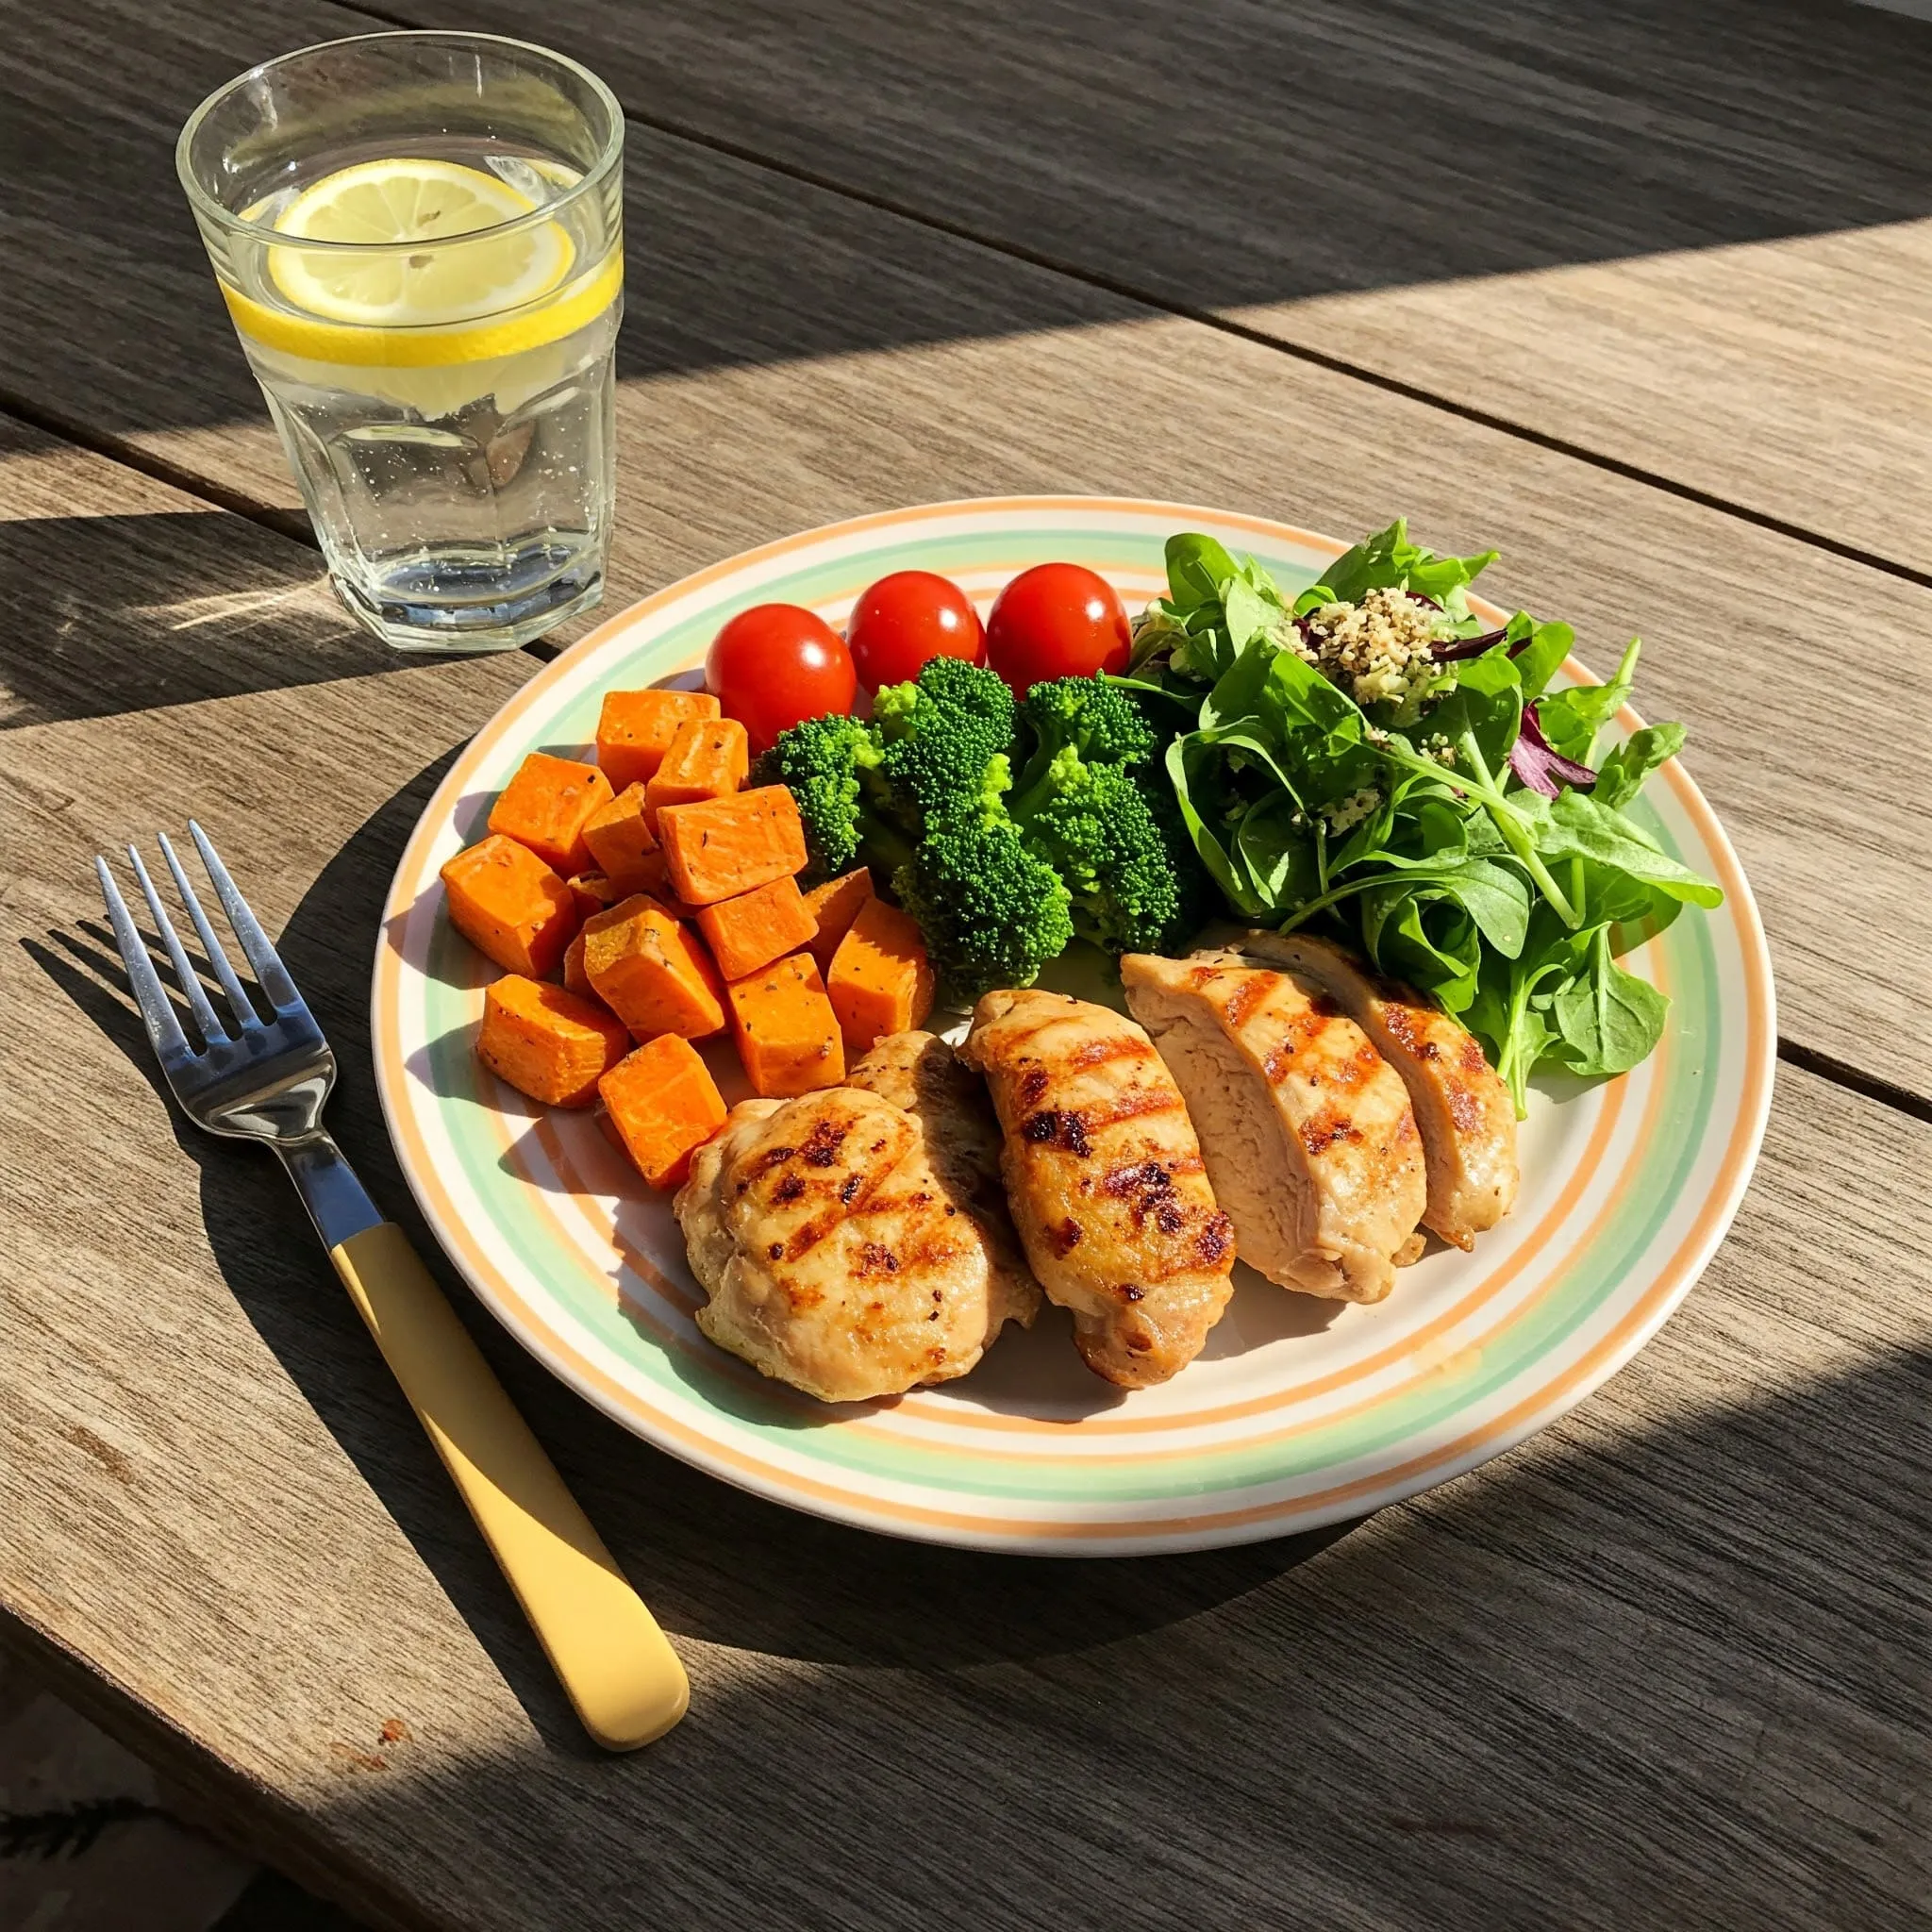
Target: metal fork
<point>267,1080</point>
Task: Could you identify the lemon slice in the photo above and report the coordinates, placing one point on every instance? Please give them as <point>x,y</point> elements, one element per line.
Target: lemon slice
<point>403,206</point>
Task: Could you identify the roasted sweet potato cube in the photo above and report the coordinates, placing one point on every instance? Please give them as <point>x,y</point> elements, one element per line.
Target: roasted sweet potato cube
<point>833,907</point>
<point>510,905</point>
<point>663,1106</point>
<point>756,927</point>
<point>594,892</point>
<point>547,1042</point>
<point>544,806</point>
<point>622,841</point>
<point>881,981</point>
<point>635,729</point>
<point>720,847</point>
<point>652,970</point>
<point>709,759</point>
<point>787,1033</point>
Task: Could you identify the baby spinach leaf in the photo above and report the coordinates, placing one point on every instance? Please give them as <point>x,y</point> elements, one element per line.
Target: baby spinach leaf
<point>1486,703</point>
<point>1538,650</point>
<point>1197,567</point>
<point>1608,1020</point>
<point>1572,717</point>
<point>1248,613</point>
<point>1271,844</point>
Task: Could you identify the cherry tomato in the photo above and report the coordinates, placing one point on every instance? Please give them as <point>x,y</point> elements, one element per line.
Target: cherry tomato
<point>1056,620</point>
<point>907,618</point>
<point>775,664</point>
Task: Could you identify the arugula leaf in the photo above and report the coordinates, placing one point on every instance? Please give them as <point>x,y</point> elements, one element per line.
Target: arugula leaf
<point>1388,560</point>
<point>1621,775</point>
<point>1578,825</point>
<point>1572,718</point>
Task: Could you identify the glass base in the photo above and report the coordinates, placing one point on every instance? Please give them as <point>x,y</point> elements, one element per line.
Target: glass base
<point>460,601</point>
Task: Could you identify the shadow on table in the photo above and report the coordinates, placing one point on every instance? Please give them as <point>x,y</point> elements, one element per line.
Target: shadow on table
<point>712,1559</point>
<point>1629,1678</point>
<point>1643,1674</point>
<point>1217,156</point>
<point>115,613</point>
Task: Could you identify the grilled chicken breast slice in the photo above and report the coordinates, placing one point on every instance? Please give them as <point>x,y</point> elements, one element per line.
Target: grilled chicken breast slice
<point>1307,1132</point>
<point>1105,1181</point>
<point>833,1255</point>
<point>1462,1108</point>
<point>922,1076</point>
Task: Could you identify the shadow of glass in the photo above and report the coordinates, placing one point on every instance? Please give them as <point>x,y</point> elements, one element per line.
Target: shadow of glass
<point>121,614</point>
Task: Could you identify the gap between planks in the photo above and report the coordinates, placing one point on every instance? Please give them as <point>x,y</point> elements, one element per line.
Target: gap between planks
<point>1123,289</point>
<point>1208,318</point>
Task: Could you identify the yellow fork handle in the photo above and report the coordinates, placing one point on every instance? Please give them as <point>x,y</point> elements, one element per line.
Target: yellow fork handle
<point>617,1666</point>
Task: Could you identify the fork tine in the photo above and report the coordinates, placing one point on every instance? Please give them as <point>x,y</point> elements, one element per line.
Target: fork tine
<point>217,954</point>
<point>211,1028</point>
<point>156,1013</point>
<point>269,974</point>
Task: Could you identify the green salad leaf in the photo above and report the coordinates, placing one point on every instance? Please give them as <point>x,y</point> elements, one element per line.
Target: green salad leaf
<point>1461,837</point>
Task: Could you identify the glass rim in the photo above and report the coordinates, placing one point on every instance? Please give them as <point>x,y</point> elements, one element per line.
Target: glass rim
<point>208,207</point>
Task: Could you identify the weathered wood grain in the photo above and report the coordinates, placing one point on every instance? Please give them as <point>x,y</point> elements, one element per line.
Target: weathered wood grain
<point>746,412</point>
<point>1668,1665</point>
<point>121,593</point>
<point>1408,187</point>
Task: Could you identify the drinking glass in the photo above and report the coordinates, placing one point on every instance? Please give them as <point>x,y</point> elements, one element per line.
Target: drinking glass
<point>438,351</point>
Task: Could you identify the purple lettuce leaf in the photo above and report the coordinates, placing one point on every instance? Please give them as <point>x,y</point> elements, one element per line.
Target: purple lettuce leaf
<point>1539,767</point>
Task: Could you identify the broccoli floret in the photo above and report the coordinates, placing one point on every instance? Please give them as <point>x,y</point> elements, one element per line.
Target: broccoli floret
<point>833,769</point>
<point>999,884</point>
<point>942,733</point>
<point>1093,825</point>
<point>1099,720</point>
<point>991,911</point>
<point>1092,804</point>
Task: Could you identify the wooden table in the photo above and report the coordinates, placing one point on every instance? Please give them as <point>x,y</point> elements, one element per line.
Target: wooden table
<point>1637,294</point>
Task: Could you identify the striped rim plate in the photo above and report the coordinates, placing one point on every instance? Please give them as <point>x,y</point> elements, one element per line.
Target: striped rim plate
<point>1300,1411</point>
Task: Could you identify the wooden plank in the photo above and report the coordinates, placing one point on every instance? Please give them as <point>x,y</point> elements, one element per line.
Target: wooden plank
<point>124,593</point>
<point>1668,1664</point>
<point>790,357</point>
<point>1627,227</point>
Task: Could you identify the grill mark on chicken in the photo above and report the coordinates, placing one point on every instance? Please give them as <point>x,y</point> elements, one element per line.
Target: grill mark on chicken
<point>1054,1128</point>
<point>1118,1216</point>
<point>789,1187</point>
<point>1100,1053</point>
<point>1247,996</point>
<point>1260,1056</point>
<point>1139,1105</point>
<point>822,1144</point>
<point>1461,1115</point>
<point>1215,1241</point>
<point>1325,1130</point>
